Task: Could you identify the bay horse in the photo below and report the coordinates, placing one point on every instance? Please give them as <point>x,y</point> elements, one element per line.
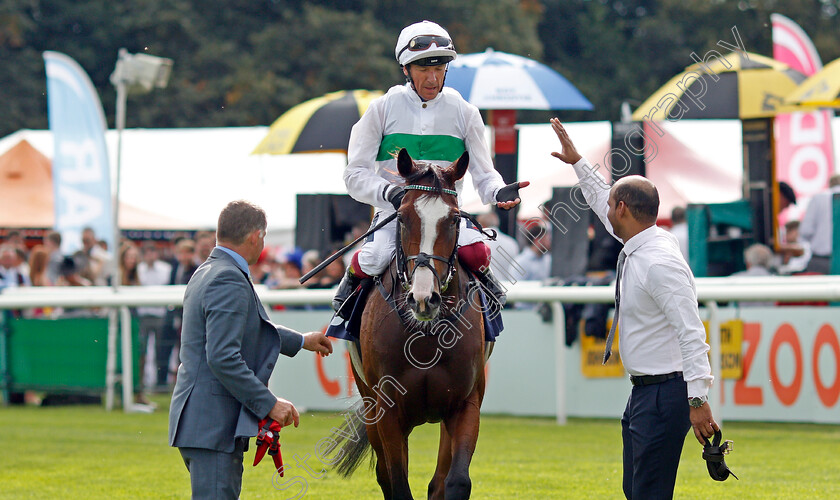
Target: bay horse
<point>422,344</point>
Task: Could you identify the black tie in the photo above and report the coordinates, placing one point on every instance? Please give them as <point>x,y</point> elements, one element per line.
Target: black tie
<point>611,335</point>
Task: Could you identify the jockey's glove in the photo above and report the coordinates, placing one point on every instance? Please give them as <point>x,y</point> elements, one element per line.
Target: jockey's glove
<point>395,196</point>
<point>508,193</point>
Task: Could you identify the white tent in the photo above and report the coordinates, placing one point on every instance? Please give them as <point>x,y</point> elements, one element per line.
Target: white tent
<point>685,168</point>
<point>190,174</point>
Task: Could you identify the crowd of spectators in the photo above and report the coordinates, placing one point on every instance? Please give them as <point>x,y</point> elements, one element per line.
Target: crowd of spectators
<point>804,248</point>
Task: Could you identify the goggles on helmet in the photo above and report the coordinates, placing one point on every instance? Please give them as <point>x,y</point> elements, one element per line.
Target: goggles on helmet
<point>423,42</point>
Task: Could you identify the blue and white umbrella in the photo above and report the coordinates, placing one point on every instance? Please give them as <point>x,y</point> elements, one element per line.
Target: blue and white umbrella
<point>497,80</point>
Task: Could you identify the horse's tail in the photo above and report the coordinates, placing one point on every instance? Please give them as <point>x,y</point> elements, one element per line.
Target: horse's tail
<point>353,441</point>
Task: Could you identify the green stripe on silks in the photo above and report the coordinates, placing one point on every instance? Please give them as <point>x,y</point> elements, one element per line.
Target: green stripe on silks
<point>421,147</point>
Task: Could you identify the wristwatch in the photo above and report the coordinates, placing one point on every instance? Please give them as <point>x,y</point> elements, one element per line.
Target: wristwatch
<point>697,402</point>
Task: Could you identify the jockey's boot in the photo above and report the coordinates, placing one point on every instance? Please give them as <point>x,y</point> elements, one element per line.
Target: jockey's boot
<point>493,286</point>
<point>348,285</point>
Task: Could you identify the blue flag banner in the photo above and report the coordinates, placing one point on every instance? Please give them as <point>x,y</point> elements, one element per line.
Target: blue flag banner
<point>81,174</point>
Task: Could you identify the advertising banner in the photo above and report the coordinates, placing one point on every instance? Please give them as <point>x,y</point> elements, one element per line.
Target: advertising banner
<point>789,358</point>
<point>81,175</point>
<point>804,155</point>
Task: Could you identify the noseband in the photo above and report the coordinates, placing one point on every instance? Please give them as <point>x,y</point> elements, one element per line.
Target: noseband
<point>423,259</point>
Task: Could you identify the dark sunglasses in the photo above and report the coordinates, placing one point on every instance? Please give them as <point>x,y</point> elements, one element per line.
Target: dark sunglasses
<point>423,42</point>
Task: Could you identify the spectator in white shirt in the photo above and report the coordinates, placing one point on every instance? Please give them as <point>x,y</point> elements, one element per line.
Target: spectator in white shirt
<point>758,259</point>
<point>817,228</point>
<point>795,253</point>
<point>662,337</point>
<point>52,243</point>
<point>679,229</point>
<point>503,250</point>
<point>151,271</point>
<point>534,262</point>
<point>12,274</point>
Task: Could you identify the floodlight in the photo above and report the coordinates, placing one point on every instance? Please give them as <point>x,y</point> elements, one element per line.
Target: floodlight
<point>140,73</point>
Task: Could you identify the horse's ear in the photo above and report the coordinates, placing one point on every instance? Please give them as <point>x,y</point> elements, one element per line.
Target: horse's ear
<point>404,163</point>
<point>461,165</point>
<point>456,170</point>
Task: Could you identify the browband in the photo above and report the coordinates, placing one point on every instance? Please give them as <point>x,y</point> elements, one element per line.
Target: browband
<point>430,189</point>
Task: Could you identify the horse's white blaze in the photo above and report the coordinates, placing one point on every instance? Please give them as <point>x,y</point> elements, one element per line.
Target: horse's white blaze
<point>430,210</point>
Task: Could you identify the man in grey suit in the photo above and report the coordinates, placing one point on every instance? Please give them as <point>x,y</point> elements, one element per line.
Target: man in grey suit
<point>228,350</point>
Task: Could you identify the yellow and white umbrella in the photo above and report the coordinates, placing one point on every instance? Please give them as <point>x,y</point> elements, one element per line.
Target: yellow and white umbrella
<point>822,89</point>
<point>319,125</point>
<point>738,85</point>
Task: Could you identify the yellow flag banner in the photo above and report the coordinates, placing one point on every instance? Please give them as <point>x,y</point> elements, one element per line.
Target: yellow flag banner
<point>731,340</point>
<point>592,354</point>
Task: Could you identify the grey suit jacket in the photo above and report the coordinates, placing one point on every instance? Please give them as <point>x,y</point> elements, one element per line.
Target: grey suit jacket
<point>228,351</point>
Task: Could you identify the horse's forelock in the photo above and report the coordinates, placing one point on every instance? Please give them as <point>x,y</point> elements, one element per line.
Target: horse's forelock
<point>428,171</point>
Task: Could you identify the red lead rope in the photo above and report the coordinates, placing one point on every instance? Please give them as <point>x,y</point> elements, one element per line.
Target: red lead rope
<point>268,440</point>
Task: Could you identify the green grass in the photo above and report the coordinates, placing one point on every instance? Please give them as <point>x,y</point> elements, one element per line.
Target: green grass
<point>84,452</point>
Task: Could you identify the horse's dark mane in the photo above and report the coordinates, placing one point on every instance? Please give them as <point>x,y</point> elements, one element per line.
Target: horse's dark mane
<point>427,171</point>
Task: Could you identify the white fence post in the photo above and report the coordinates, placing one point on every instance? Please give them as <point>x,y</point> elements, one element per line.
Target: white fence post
<point>559,319</point>
<point>111,359</point>
<point>715,391</point>
<point>127,365</point>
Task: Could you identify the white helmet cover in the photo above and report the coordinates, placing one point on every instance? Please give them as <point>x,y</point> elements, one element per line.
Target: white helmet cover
<point>406,56</point>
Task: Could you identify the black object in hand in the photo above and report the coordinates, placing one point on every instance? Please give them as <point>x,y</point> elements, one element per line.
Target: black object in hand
<point>713,455</point>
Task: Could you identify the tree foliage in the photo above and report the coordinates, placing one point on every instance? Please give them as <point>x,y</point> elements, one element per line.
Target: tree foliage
<point>244,62</point>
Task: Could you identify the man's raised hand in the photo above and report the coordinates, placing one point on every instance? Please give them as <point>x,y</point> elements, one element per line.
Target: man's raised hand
<point>568,154</point>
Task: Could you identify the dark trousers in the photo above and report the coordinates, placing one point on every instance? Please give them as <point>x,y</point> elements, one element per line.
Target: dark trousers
<point>215,474</point>
<point>819,264</point>
<point>653,430</point>
<point>168,340</point>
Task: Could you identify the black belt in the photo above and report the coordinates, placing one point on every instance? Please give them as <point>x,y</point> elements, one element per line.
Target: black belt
<point>653,379</point>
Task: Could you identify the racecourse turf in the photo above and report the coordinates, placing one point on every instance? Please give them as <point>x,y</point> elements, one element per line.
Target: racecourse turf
<point>83,452</point>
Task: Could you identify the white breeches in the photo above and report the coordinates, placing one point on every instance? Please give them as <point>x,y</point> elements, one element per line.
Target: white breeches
<point>376,253</point>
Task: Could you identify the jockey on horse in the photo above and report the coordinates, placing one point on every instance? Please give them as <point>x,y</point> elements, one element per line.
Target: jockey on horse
<point>436,125</point>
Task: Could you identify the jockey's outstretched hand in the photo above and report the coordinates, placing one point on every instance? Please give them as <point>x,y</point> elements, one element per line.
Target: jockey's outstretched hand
<point>508,196</point>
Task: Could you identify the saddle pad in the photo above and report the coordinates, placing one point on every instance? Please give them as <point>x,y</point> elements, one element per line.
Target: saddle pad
<point>349,329</point>
<point>340,328</point>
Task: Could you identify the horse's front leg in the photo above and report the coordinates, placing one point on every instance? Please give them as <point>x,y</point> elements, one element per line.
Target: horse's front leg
<point>393,435</point>
<point>463,431</point>
<point>437,485</point>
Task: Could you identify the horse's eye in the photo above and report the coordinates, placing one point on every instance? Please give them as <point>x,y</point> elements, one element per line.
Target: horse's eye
<point>456,220</point>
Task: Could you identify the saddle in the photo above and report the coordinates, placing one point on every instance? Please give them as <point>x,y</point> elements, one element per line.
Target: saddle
<point>349,329</point>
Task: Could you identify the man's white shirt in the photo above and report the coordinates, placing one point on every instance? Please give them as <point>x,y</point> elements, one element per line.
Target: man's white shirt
<point>659,326</point>
<point>816,227</point>
<point>157,274</point>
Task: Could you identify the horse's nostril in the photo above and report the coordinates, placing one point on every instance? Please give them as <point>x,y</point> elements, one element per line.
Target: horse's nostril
<point>434,300</point>
<point>411,301</point>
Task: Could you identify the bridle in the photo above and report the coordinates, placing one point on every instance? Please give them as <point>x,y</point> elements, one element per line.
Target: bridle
<point>423,259</point>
